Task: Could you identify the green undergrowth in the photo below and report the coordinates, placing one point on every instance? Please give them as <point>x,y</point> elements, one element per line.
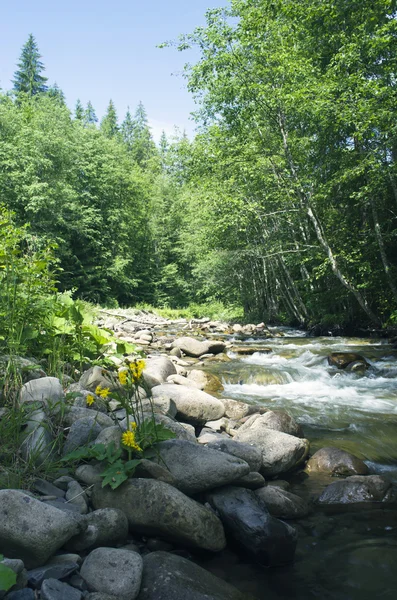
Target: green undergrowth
<point>216,311</point>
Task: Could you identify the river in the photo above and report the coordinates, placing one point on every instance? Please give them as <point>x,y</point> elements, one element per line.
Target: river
<point>347,556</point>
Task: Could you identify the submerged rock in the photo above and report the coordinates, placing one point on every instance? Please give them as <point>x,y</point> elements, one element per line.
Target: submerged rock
<point>281,503</point>
<point>358,489</point>
<point>341,360</point>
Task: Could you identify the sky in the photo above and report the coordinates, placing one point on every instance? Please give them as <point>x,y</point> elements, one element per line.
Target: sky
<point>96,50</point>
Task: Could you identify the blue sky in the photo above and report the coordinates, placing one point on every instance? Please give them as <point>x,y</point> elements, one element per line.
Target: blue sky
<point>97,50</point>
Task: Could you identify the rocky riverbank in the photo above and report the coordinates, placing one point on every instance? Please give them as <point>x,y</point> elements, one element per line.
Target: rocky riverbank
<point>220,483</point>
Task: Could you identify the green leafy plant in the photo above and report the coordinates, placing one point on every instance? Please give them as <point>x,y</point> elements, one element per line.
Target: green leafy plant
<point>141,433</point>
<point>8,577</point>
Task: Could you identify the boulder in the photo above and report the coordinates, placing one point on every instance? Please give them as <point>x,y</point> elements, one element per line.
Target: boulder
<point>95,376</point>
<point>170,577</point>
<point>52,589</point>
<point>336,462</point>
<point>52,570</point>
<point>113,571</point>
<point>251,454</point>
<point>31,530</point>
<point>281,452</point>
<point>205,381</point>
<point>181,380</point>
<point>75,495</point>
<point>342,359</point>
<point>157,369</point>
<point>195,348</point>
<point>250,524</point>
<point>47,390</point>
<point>157,508</point>
<point>192,405</point>
<point>81,432</point>
<point>197,468</point>
<point>281,503</point>
<point>234,409</point>
<point>358,489</point>
<point>280,420</point>
<point>74,413</point>
<point>38,442</point>
<point>252,481</point>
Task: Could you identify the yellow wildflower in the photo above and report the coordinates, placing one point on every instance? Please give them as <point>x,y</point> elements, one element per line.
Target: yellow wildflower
<point>90,399</point>
<point>133,425</point>
<point>128,439</point>
<point>122,377</point>
<point>136,369</point>
<point>102,392</point>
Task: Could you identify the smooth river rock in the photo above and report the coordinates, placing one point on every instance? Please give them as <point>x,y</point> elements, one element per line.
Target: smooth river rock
<point>281,503</point>
<point>170,577</point>
<point>337,462</point>
<point>197,468</point>
<point>156,508</point>
<point>196,348</point>
<point>280,420</point>
<point>247,520</point>
<point>358,489</point>
<point>31,530</point>
<point>341,360</point>
<point>281,452</point>
<point>251,454</point>
<point>157,369</point>
<point>105,527</point>
<point>192,405</point>
<point>113,571</point>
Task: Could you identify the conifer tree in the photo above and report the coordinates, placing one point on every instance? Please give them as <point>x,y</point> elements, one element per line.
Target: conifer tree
<point>109,125</point>
<point>79,111</point>
<point>142,146</point>
<point>55,92</point>
<point>28,77</point>
<point>127,129</point>
<point>90,117</point>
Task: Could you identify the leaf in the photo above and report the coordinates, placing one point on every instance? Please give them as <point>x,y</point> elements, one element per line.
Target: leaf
<point>8,577</point>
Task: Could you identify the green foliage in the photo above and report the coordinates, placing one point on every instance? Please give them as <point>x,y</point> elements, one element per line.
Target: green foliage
<point>8,577</point>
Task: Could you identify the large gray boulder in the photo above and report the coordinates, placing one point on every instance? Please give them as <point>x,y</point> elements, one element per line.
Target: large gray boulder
<point>177,428</point>
<point>197,468</point>
<point>196,348</point>
<point>205,381</point>
<point>95,376</point>
<point>247,520</point>
<point>47,390</point>
<point>192,405</point>
<point>74,413</point>
<point>105,527</point>
<point>170,577</point>
<point>358,489</point>
<point>281,452</point>
<point>251,454</point>
<point>113,571</point>
<point>235,409</point>
<point>31,530</point>
<point>281,503</point>
<point>157,369</point>
<point>336,462</point>
<point>156,508</point>
<point>280,420</point>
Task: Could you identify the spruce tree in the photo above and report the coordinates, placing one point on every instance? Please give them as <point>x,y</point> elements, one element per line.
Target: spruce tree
<point>109,125</point>
<point>127,129</point>
<point>55,92</point>
<point>142,146</point>
<point>28,77</point>
<point>79,111</point>
<point>90,117</point>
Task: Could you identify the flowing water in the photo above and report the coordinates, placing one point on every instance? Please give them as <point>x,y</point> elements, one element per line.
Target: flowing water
<point>347,556</point>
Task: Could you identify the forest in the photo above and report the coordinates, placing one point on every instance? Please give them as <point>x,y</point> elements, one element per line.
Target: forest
<point>283,206</point>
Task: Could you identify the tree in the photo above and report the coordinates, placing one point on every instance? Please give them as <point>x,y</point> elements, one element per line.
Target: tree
<point>127,129</point>
<point>79,111</point>
<point>109,125</point>
<point>28,78</point>
<point>90,117</point>
<point>142,146</point>
<point>55,92</point>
